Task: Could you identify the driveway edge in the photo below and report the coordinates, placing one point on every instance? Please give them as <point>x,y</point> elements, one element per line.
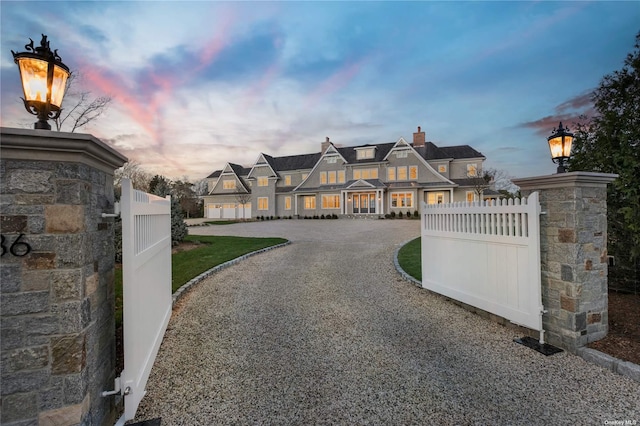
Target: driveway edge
<point>593,356</point>
<point>179,293</point>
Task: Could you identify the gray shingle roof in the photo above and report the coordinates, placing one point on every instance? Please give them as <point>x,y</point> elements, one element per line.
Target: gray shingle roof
<point>429,151</point>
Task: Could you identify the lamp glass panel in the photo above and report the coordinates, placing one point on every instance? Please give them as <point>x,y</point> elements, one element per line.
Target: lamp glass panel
<point>555,145</point>
<point>60,76</point>
<point>33,73</point>
<point>568,140</point>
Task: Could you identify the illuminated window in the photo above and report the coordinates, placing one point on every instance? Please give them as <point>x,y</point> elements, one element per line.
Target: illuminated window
<point>402,199</point>
<point>472,170</point>
<point>263,203</point>
<point>332,160</point>
<point>442,168</point>
<point>310,202</point>
<point>365,174</point>
<point>402,154</point>
<point>330,201</point>
<point>365,153</point>
<point>341,176</point>
<point>263,181</point>
<point>435,198</point>
<point>287,203</point>
<point>413,172</point>
<point>304,176</point>
<point>229,184</point>
<point>471,196</point>
<point>323,178</point>
<point>391,173</point>
<point>332,177</point>
<point>287,180</point>
<point>402,173</point>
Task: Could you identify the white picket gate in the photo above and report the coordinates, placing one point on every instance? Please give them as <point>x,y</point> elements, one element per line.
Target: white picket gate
<point>146,273</point>
<point>487,256</point>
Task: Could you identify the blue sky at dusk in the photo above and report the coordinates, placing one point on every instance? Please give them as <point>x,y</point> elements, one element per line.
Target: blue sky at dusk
<point>198,84</point>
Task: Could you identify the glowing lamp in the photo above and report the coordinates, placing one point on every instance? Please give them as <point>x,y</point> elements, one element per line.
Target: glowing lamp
<point>560,146</point>
<point>44,81</point>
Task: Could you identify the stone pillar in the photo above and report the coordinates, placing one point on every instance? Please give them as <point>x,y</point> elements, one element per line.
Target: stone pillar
<point>57,278</point>
<point>573,253</point>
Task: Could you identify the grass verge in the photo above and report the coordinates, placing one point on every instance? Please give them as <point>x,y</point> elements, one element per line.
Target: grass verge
<point>409,258</point>
<point>188,264</point>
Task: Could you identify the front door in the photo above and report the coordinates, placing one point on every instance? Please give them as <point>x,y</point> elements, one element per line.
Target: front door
<point>364,203</point>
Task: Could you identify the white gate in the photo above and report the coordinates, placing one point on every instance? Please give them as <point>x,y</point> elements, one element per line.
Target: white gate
<point>146,273</point>
<point>487,256</point>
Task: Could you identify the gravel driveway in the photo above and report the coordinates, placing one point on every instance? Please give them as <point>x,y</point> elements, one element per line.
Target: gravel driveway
<point>323,331</point>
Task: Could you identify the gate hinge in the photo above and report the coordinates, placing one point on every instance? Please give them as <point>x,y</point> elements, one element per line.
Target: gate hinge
<point>116,211</point>
<point>116,385</point>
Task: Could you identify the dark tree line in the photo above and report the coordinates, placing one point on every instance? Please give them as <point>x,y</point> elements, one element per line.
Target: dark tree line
<point>609,142</point>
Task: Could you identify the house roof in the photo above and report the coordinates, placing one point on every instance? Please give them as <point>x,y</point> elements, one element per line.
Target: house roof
<point>429,151</point>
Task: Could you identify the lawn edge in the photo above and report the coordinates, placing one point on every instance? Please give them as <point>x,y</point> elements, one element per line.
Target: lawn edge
<point>180,292</point>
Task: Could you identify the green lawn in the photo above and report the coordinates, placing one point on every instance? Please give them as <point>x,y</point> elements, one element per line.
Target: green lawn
<point>409,258</point>
<point>186,265</point>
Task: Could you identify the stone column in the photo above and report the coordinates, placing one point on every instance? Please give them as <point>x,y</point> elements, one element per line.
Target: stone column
<point>57,277</point>
<point>573,253</point>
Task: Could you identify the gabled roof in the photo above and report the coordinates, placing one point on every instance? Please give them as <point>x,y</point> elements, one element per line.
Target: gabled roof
<point>432,152</point>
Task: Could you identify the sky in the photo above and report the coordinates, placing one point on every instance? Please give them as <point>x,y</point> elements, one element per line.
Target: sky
<point>195,85</point>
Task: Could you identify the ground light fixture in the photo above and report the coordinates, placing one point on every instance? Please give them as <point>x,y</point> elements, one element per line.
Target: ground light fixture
<point>44,80</point>
<point>560,143</point>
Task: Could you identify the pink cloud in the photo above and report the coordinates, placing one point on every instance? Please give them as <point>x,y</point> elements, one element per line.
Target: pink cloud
<point>338,80</point>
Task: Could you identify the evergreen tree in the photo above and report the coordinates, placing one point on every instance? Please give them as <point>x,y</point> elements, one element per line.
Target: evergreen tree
<point>609,142</point>
<point>161,186</point>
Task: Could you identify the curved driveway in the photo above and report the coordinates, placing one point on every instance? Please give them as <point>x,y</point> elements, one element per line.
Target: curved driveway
<point>323,331</point>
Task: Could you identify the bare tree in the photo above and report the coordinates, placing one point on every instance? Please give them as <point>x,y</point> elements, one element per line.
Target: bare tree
<point>495,179</point>
<point>243,199</point>
<point>201,187</point>
<point>140,179</point>
<point>79,109</point>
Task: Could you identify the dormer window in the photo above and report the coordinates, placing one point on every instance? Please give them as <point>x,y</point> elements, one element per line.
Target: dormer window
<point>365,153</point>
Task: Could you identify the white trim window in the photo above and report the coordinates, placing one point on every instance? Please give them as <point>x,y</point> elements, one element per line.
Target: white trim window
<point>323,178</point>
<point>391,173</point>
<point>402,173</point>
<point>471,196</point>
<point>229,184</point>
<point>413,172</point>
<point>309,202</point>
<point>330,201</point>
<point>287,203</point>
<point>263,203</point>
<point>435,197</point>
<point>472,169</point>
<point>332,177</point>
<point>263,181</point>
<point>341,176</point>
<point>287,180</point>
<point>365,174</point>
<point>365,153</point>
<point>402,200</point>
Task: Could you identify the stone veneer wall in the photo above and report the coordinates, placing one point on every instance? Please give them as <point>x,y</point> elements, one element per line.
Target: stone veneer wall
<point>573,253</point>
<point>57,301</point>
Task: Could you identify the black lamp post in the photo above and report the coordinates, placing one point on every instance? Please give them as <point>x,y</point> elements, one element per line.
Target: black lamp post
<point>44,79</point>
<point>560,146</point>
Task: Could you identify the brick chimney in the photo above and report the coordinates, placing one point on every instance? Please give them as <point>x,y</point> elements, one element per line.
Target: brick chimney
<point>419,138</point>
<point>325,145</point>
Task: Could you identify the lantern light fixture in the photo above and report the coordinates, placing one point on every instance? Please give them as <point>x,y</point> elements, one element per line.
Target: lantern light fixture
<point>560,143</point>
<point>44,80</point>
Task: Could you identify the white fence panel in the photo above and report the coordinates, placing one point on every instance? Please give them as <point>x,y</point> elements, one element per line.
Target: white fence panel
<point>487,256</point>
<point>146,273</point>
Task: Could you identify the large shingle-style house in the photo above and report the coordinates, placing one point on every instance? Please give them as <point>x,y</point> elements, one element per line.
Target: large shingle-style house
<point>371,179</point>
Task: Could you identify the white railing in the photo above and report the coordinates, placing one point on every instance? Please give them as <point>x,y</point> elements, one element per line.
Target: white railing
<point>486,254</point>
<point>146,276</point>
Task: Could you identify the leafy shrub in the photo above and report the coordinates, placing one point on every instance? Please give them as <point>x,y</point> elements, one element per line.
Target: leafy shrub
<point>416,214</point>
<point>400,215</point>
<point>393,215</point>
<point>322,216</point>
